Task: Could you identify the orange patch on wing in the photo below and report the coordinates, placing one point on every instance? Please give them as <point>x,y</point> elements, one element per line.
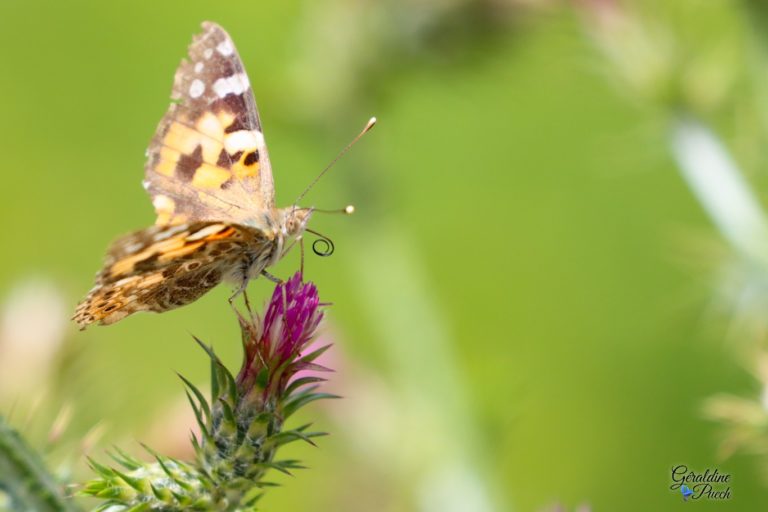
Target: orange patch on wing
<point>184,139</point>
<point>181,251</point>
<point>242,171</point>
<point>225,233</point>
<point>151,279</point>
<point>166,167</point>
<point>210,176</point>
<point>126,265</point>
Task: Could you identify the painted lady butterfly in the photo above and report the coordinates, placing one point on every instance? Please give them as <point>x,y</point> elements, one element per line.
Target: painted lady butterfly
<point>211,184</point>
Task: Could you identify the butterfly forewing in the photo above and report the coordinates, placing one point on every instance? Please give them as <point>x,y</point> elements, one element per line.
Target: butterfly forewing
<point>208,159</point>
<point>209,177</point>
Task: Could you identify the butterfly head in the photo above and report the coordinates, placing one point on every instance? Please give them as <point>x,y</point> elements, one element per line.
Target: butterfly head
<point>293,221</point>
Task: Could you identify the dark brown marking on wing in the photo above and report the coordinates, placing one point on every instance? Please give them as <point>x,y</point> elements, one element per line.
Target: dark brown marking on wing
<point>234,104</point>
<point>251,158</point>
<point>237,125</point>
<point>224,160</point>
<point>147,264</point>
<point>188,164</point>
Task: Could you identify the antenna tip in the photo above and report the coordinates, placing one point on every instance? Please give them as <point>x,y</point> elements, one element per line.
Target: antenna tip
<point>349,210</point>
<point>371,123</point>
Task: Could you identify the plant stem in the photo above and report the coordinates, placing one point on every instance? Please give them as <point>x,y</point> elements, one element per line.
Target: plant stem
<point>721,189</point>
<point>25,478</point>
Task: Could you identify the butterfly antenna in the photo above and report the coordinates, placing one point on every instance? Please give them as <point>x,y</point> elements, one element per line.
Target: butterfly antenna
<point>323,246</point>
<point>371,123</point>
<point>347,210</point>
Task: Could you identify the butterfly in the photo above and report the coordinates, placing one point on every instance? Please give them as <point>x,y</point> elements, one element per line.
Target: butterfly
<point>210,180</point>
<point>686,492</point>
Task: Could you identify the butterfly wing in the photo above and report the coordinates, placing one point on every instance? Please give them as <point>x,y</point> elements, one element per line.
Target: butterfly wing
<point>208,160</point>
<point>164,267</point>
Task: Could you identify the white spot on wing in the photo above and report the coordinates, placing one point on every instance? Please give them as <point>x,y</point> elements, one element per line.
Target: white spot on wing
<point>125,281</point>
<point>210,125</point>
<point>199,67</point>
<point>208,53</point>
<point>235,84</point>
<point>163,203</point>
<point>162,235</point>
<point>197,88</point>
<point>225,48</point>
<point>243,140</point>
<point>210,230</point>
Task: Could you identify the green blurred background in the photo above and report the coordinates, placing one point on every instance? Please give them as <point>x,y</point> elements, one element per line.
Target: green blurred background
<point>528,305</point>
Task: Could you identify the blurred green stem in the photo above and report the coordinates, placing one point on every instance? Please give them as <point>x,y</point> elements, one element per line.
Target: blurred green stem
<point>432,396</point>
<point>25,478</point>
<point>721,188</point>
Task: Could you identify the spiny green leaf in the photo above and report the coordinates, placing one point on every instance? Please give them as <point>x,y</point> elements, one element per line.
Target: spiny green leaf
<point>290,463</point>
<point>208,350</point>
<point>198,416</point>
<point>107,505</point>
<point>303,381</point>
<point>196,445</point>
<point>231,386</point>
<point>141,507</point>
<point>139,484</point>
<point>273,465</point>
<point>262,483</point>
<point>299,401</point>
<point>173,475</point>
<point>104,471</point>
<point>251,502</point>
<point>161,493</point>
<point>285,437</point>
<point>113,492</point>
<point>160,461</point>
<point>124,459</point>
<point>262,378</point>
<point>314,354</point>
<point>200,398</point>
<point>229,414</point>
<point>182,499</point>
<point>313,367</point>
<point>217,378</point>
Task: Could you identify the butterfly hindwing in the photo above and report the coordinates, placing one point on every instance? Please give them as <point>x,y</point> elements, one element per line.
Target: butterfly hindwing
<point>208,159</point>
<point>164,267</point>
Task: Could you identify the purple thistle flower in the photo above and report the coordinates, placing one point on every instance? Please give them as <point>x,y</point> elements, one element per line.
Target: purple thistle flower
<point>242,426</point>
<point>274,345</point>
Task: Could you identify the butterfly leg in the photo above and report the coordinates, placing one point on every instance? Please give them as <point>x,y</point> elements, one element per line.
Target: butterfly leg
<point>301,246</point>
<point>272,278</point>
<point>240,289</point>
<point>247,303</point>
